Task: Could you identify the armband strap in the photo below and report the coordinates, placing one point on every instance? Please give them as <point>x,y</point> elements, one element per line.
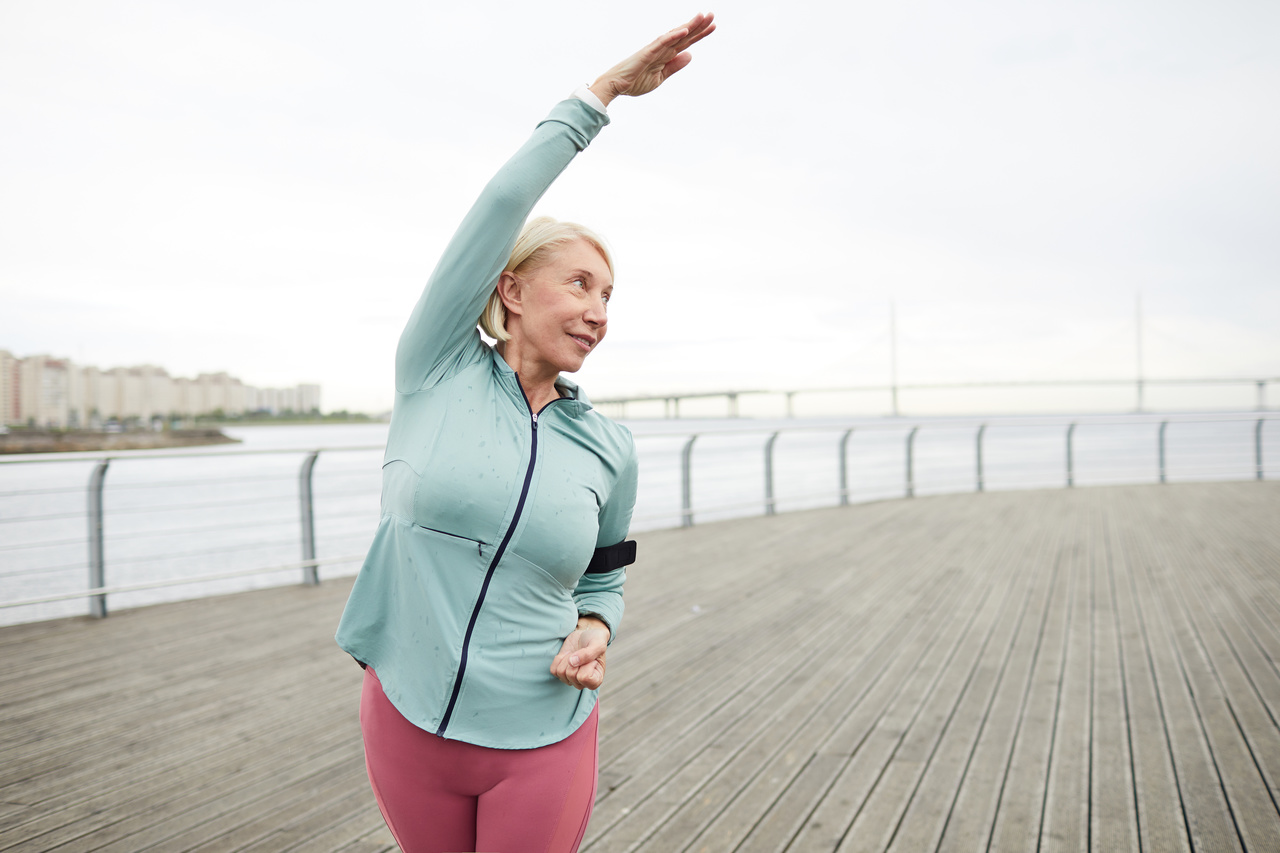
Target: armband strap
<point>612,557</point>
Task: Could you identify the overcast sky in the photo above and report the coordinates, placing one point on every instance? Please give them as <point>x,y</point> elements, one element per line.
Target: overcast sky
<point>263,187</point>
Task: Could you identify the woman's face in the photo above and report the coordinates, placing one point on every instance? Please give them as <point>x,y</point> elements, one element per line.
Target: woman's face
<point>563,305</point>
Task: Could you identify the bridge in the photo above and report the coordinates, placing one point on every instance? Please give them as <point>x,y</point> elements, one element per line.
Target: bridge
<point>671,401</point>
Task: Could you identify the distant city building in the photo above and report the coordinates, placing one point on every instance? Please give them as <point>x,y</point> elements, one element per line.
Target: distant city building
<point>54,392</point>
<point>8,388</point>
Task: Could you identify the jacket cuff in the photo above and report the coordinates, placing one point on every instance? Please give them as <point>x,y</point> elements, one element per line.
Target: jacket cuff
<point>583,120</point>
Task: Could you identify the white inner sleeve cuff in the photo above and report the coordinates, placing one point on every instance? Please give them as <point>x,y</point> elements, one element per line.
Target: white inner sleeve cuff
<point>584,93</point>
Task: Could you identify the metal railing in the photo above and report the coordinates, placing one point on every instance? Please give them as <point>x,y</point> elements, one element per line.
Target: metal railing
<point>842,494</point>
<point>98,588</point>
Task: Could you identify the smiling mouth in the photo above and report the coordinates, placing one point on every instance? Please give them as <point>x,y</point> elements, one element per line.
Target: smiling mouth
<point>585,343</point>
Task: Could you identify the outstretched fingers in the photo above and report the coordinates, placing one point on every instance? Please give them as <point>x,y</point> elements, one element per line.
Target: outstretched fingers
<point>683,37</point>
<point>646,69</point>
<point>698,28</point>
<point>670,49</point>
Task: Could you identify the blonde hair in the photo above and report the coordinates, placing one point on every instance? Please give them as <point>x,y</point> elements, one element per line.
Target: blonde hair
<point>537,244</point>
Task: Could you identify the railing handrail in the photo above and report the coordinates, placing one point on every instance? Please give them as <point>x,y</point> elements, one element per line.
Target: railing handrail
<point>165,453</point>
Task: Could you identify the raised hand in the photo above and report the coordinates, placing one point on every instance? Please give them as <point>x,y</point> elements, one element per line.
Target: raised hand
<point>648,68</point>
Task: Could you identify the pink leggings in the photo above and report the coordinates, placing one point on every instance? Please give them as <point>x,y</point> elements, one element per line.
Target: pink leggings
<point>446,796</point>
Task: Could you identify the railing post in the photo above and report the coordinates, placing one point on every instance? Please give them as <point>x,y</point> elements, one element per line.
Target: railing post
<point>1163,425</point>
<point>97,557</point>
<point>770,507</point>
<point>310,575</point>
<point>1071,476</point>
<point>791,409</point>
<point>686,492</point>
<point>911,482</point>
<point>1262,395</point>
<point>1257,446</point>
<point>982,429</point>
<point>844,467</point>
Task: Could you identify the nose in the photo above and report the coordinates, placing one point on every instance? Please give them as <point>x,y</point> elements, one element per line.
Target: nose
<point>596,314</point>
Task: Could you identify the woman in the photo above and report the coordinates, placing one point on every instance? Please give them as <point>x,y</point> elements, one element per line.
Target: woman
<point>494,582</point>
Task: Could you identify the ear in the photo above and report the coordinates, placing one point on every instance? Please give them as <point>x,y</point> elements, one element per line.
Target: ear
<point>510,291</point>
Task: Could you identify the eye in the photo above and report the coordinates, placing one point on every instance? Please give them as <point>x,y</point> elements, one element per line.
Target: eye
<point>606,297</point>
<point>581,282</point>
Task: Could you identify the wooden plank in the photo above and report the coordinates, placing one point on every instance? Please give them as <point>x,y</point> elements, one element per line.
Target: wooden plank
<point>1205,808</point>
<point>878,824</point>
<point>785,784</point>
<point>869,739</point>
<point>1065,821</point>
<point>652,819</point>
<point>786,816</point>
<point>854,612</point>
<point>1247,675</point>
<point>760,772</point>
<point>1158,800</point>
<point>926,819</point>
<point>1112,804</point>
<point>1238,760</point>
<point>1021,808</point>
<point>378,840</point>
<point>972,813</point>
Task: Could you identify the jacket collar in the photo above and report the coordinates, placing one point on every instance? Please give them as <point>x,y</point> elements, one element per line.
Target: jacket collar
<point>575,402</point>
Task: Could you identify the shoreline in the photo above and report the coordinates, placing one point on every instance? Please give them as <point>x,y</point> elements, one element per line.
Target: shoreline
<point>82,441</point>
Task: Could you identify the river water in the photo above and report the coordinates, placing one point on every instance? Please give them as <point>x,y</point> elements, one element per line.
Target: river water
<point>171,515</point>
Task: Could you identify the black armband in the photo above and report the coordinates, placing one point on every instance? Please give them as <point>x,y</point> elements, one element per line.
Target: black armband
<point>612,557</point>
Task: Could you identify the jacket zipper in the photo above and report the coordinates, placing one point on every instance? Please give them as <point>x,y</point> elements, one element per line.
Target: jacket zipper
<point>497,557</point>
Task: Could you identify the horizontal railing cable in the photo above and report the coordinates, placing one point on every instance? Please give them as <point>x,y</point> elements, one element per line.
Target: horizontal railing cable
<point>48,543</point>
<point>196,482</point>
<point>62,490</point>
<point>183,531</point>
<point>182,555</point>
<point>260,499</point>
<point>57,516</point>
<point>37,571</point>
<point>138,587</point>
<point>349,492</point>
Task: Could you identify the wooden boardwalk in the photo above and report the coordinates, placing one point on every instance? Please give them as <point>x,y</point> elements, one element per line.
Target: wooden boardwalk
<point>1088,669</point>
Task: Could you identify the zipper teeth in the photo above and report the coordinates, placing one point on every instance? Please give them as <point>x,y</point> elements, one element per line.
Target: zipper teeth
<point>493,564</point>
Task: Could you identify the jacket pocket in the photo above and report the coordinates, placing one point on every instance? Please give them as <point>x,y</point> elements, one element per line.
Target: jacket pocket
<point>479,544</point>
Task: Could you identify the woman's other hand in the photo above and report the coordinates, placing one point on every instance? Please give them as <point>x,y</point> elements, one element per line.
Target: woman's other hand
<point>646,70</point>
<point>580,663</point>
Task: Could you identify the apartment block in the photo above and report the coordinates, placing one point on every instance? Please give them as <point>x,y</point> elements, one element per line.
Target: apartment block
<point>8,388</point>
<point>54,392</point>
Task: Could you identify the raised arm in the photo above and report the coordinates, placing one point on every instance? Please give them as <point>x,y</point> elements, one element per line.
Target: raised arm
<point>443,322</point>
<point>444,319</point>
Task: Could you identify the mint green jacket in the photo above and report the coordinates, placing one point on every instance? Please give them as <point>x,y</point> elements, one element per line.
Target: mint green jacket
<point>490,512</point>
